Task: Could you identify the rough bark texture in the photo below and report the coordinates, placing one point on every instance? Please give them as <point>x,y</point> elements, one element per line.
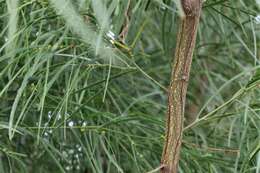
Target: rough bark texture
<point>178,84</point>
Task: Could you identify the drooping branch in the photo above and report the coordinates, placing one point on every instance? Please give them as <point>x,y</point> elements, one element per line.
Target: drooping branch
<point>178,85</point>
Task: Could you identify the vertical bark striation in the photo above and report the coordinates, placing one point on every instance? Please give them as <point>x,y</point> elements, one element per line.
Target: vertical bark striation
<point>178,84</point>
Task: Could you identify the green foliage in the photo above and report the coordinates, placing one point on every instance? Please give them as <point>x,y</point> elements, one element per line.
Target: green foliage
<point>83,86</point>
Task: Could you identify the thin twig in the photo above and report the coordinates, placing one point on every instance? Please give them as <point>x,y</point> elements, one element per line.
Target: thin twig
<point>213,149</point>
<point>124,31</point>
<point>157,169</point>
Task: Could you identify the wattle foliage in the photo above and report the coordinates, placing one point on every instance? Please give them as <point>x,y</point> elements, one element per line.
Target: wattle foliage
<point>83,86</point>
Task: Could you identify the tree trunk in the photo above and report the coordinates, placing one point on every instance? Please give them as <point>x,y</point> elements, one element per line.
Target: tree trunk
<point>178,84</point>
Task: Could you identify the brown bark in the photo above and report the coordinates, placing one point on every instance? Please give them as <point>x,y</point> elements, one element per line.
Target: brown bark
<point>178,85</point>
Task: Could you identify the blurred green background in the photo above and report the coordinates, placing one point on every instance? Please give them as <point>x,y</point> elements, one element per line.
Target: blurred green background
<point>83,86</point>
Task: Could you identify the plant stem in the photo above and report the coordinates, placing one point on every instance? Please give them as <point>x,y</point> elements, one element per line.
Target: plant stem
<point>178,85</point>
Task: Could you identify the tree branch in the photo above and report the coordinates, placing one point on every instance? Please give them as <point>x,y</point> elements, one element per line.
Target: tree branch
<point>178,84</point>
